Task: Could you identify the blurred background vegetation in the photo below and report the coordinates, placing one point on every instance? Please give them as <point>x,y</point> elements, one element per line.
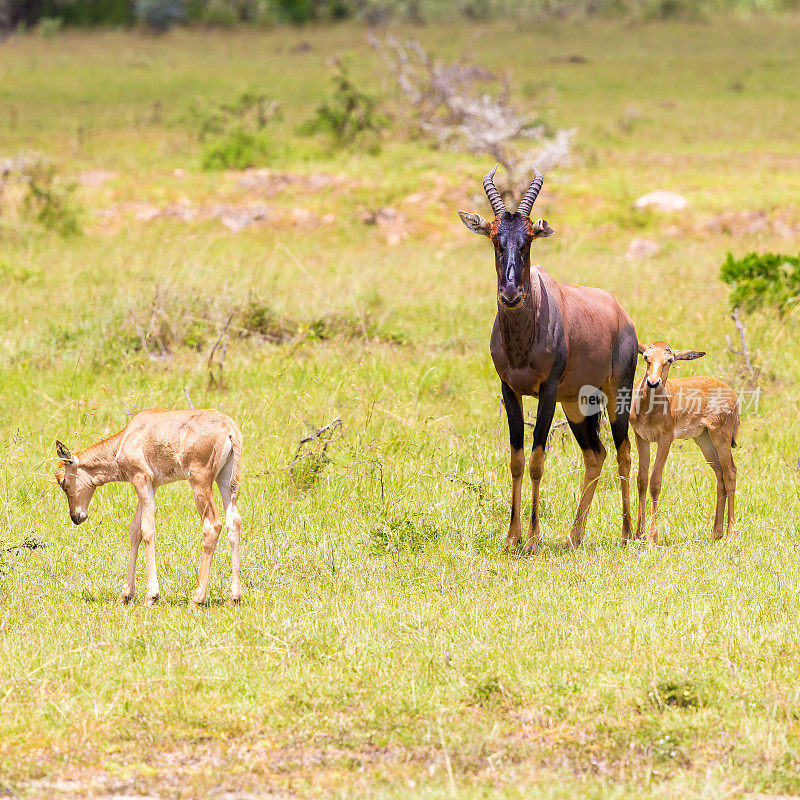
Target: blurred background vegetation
<point>163,14</point>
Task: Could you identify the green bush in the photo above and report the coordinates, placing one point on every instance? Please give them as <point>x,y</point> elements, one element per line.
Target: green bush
<point>50,199</point>
<point>50,26</point>
<point>159,15</point>
<point>349,115</point>
<point>221,14</point>
<point>236,134</point>
<point>236,149</point>
<point>763,280</point>
<point>294,11</point>
<point>89,12</point>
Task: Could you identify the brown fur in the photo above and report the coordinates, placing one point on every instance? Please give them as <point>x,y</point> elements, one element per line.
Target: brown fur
<point>523,357</point>
<point>157,447</point>
<point>551,341</point>
<point>703,409</point>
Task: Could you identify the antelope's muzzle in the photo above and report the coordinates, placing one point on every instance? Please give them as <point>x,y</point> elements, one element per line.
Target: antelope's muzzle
<point>511,297</point>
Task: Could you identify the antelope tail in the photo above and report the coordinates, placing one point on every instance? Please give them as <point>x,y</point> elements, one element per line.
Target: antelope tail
<point>236,444</point>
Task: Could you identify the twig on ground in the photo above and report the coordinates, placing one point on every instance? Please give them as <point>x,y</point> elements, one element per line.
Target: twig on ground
<point>188,399</point>
<point>323,434</point>
<point>475,487</point>
<point>379,464</point>
<point>212,379</point>
<point>558,427</point>
<point>28,543</point>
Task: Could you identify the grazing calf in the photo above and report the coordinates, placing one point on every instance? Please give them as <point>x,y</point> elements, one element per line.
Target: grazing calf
<point>703,409</point>
<point>562,344</point>
<point>157,447</point>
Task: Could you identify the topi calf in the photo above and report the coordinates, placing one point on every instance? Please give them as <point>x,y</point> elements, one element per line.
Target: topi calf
<point>703,409</point>
<point>157,447</point>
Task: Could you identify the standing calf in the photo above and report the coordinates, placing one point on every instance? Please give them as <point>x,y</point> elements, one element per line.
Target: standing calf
<point>560,343</point>
<point>703,409</point>
<point>158,447</point>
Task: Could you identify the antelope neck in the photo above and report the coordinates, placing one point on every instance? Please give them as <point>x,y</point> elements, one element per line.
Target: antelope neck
<point>100,460</point>
<point>518,326</point>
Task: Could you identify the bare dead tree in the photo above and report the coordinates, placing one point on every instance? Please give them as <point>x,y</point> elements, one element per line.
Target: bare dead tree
<point>746,367</point>
<point>467,107</point>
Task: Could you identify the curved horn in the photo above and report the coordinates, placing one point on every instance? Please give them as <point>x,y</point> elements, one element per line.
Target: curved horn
<point>498,206</point>
<point>526,204</point>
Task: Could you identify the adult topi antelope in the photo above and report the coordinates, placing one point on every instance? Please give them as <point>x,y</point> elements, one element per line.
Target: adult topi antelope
<point>157,447</point>
<point>560,343</point>
<point>703,409</point>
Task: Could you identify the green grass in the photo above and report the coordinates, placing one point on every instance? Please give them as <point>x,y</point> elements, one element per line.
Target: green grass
<point>385,646</point>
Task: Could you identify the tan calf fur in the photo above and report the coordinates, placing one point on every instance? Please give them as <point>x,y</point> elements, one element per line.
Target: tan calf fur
<point>157,447</point>
<point>703,409</point>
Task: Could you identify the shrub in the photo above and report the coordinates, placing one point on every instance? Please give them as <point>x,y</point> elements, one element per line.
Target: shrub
<point>467,107</point>
<point>159,15</point>
<point>45,195</point>
<point>86,12</point>
<point>221,14</point>
<point>235,134</point>
<point>763,280</point>
<point>294,11</point>
<point>258,319</point>
<point>350,115</point>
<point>237,149</point>
<point>50,26</point>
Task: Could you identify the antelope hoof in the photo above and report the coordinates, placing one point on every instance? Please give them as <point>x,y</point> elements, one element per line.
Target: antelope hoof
<point>575,538</point>
<point>531,547</point>
<point>235,602</point>
<point>627,536</point>
<point>124,599</point>
<point>512,541</point>
<point>151,601</point>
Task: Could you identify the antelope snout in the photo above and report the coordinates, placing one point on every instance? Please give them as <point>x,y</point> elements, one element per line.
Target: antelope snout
<point>78,517</point>
<point>511,297</point>
<point>654,384</point>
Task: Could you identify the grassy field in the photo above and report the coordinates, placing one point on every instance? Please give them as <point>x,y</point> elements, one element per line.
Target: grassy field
<point>386,647</point>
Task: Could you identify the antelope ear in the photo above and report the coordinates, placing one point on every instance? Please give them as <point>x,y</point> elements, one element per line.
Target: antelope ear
<point>62,451</point>
<point>476,223</point>
<point>688,355</point>
<point>642,348</point>
<point>541,229</point>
